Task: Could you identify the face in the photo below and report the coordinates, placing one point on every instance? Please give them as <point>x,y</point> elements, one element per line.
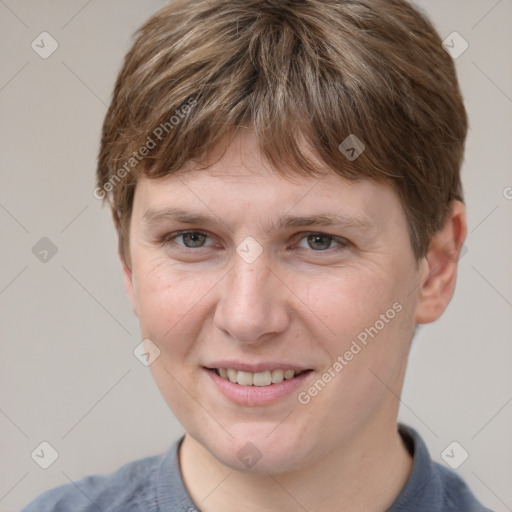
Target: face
<point>315,275</point>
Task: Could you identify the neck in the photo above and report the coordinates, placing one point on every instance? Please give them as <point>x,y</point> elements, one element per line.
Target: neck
<point>366,473</point>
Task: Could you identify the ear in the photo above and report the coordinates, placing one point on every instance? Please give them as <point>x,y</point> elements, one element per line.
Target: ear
<point>436,290</point>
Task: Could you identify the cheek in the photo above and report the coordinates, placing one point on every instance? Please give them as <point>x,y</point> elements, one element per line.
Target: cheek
<point>368,317</point>
<point>347,305</point>
<point>167,299</point>
<point>170,316</point>
<point>367,320</point>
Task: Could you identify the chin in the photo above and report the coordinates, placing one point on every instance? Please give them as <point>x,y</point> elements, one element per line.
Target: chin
<point>253,450</point>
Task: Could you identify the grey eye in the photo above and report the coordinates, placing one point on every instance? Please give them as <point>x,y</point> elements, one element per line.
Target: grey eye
<point>319,242</point>
<point>193,239</point>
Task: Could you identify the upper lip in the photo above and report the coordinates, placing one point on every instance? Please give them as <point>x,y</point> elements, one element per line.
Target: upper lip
<point>256,367</point>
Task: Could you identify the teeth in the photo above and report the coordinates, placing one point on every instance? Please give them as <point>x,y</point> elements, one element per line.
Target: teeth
<point>277,376</point>
<point>256,379</point>
<point>262,379</point>
<point>244,378</point>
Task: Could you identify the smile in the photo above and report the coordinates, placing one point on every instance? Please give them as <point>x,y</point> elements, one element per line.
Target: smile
<point>264,387</point>
<point>266,378</point>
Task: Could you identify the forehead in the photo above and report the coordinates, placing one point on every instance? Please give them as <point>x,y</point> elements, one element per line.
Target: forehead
<point>241,183</point>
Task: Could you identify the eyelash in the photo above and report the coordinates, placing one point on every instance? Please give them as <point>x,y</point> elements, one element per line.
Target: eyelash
<point>166,240</point>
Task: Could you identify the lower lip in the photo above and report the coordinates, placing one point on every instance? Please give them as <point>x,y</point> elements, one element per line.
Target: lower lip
<point>257,395</point>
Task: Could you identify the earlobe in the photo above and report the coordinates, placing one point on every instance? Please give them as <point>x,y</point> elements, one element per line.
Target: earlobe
<point>438,285</point>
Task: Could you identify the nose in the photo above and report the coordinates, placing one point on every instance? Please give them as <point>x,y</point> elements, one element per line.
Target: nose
<point>253,302</point>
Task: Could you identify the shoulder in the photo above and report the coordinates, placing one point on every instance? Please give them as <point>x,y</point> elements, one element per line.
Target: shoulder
<point>455,493</point>
<point>432,487</point>
<point>130,488</point>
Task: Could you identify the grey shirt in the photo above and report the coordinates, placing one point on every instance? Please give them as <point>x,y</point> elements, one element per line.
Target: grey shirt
<point>154,484</point>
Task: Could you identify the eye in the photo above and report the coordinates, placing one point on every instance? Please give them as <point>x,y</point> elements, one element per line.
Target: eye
<point>191,239</point>
<point>315,241</point>
<point>322,241</point>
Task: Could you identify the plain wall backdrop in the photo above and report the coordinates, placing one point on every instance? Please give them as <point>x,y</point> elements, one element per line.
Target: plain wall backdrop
<point>68,373</point>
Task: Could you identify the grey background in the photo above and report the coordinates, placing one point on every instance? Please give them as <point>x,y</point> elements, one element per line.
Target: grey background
<point>68,373</point>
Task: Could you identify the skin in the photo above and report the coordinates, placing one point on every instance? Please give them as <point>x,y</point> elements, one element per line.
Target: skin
<point>298,302</point>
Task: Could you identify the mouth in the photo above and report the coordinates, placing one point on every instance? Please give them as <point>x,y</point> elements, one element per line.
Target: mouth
<point>263,387</point>
<point>259,379</point>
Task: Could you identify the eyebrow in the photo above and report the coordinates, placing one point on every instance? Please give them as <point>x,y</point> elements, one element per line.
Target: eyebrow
<point>157,216</point>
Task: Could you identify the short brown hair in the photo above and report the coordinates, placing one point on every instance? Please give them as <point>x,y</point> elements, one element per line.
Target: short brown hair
<point>296,70</point>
